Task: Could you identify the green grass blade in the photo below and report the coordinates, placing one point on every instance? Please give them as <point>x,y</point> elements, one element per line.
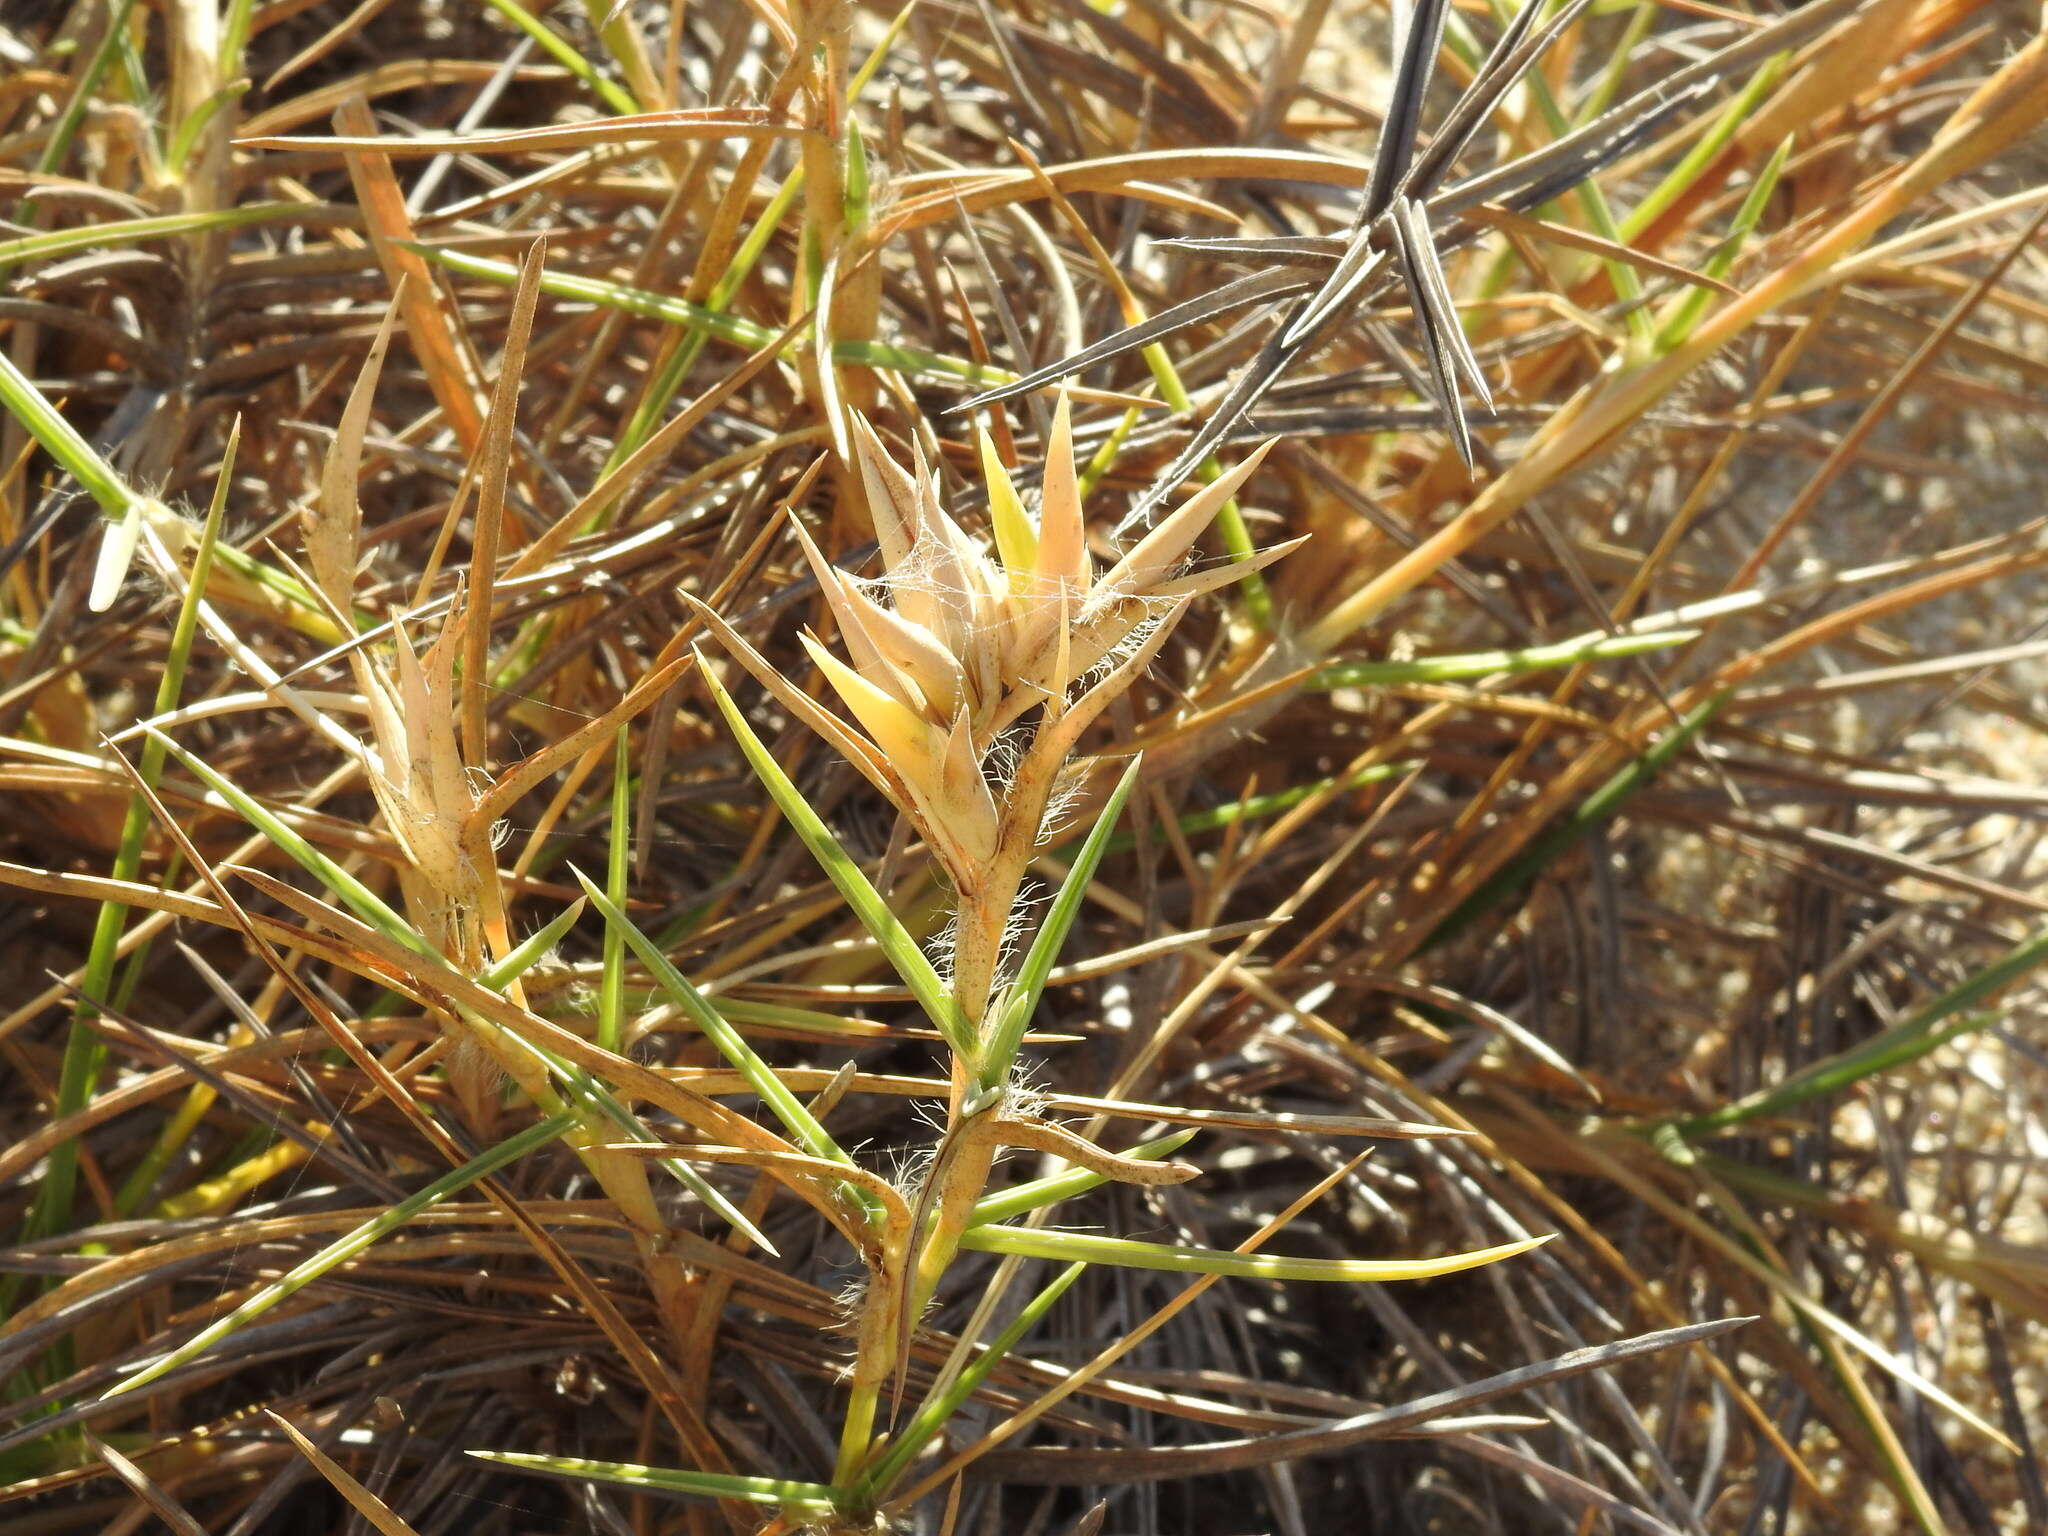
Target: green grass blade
<point>550,42</point>
<point>234,36</point>
<point>85,1052</point>
<point>60,439</point>
<point>1474,664</point>
<point>1724,127</point>
<point>806,1498</point>
<point>773,1092</point>
<point>1229,522</point>
<point>187,135</point>
<point>340,1252</point>
<point>936,1414</point>
<point>81,98</point>
<point>1258,807</point>
<point>1044,953</point>
<point>1931,1025</point>
<point>359,898</point>
<point>675,367</point>
<point>1684,313</point>
<point>727,328</point>
<point>529,951</point>
<point>897,945</point>
<point>1090,1248</point>
<point>611,995</point>
<point>1600,806</point>
<point>119,232</point>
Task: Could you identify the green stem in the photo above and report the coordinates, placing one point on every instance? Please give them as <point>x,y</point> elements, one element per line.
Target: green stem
<point>85,1053</point>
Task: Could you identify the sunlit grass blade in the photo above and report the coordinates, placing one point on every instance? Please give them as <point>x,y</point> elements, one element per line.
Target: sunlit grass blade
<point>1600,806</point>
<point>696,317</point>
<point>897,944</point>
<point>802,1021</point>
<point>785,1106</point>
<point>367,1504</point>
<point>798,1498</point>
<point>1628,287</point>
<point>188,132</point>
<point>611,992</point>
<point>532,949</point>
<point>1088,1248</point>
<point>118,232</point>
<point>1724,127</point>
<point>363,1237</point>
<point>1015,1014</point>
<point>359,898</point>
<point>616,96</point>
<point>1683,315</point>
<point>1472,664</point>
<point>937,1413</point>
<point>61,440</point>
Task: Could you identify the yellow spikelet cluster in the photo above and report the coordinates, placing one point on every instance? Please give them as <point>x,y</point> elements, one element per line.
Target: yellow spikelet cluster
<point>957,644</point>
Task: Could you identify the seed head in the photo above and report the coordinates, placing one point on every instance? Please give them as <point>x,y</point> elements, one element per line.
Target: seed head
<point>957,642</point>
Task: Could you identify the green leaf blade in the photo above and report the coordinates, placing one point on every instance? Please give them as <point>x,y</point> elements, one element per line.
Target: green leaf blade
<point>1051,937</point>
<point>810,1498</point>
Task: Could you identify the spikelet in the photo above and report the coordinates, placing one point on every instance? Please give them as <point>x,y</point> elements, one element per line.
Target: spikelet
<point>956,644</point>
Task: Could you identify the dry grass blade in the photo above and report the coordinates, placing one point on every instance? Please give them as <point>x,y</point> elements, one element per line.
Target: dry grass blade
<point>1162,1462</point>
<point>634,128</point>
<point>1418,36</point>
<point>364,1502</point>
<point>1257,287</point>
<point>167,1509</point>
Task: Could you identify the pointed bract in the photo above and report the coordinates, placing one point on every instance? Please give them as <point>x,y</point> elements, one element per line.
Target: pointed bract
<point>1016,539</point>
<point>1062,532</point>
